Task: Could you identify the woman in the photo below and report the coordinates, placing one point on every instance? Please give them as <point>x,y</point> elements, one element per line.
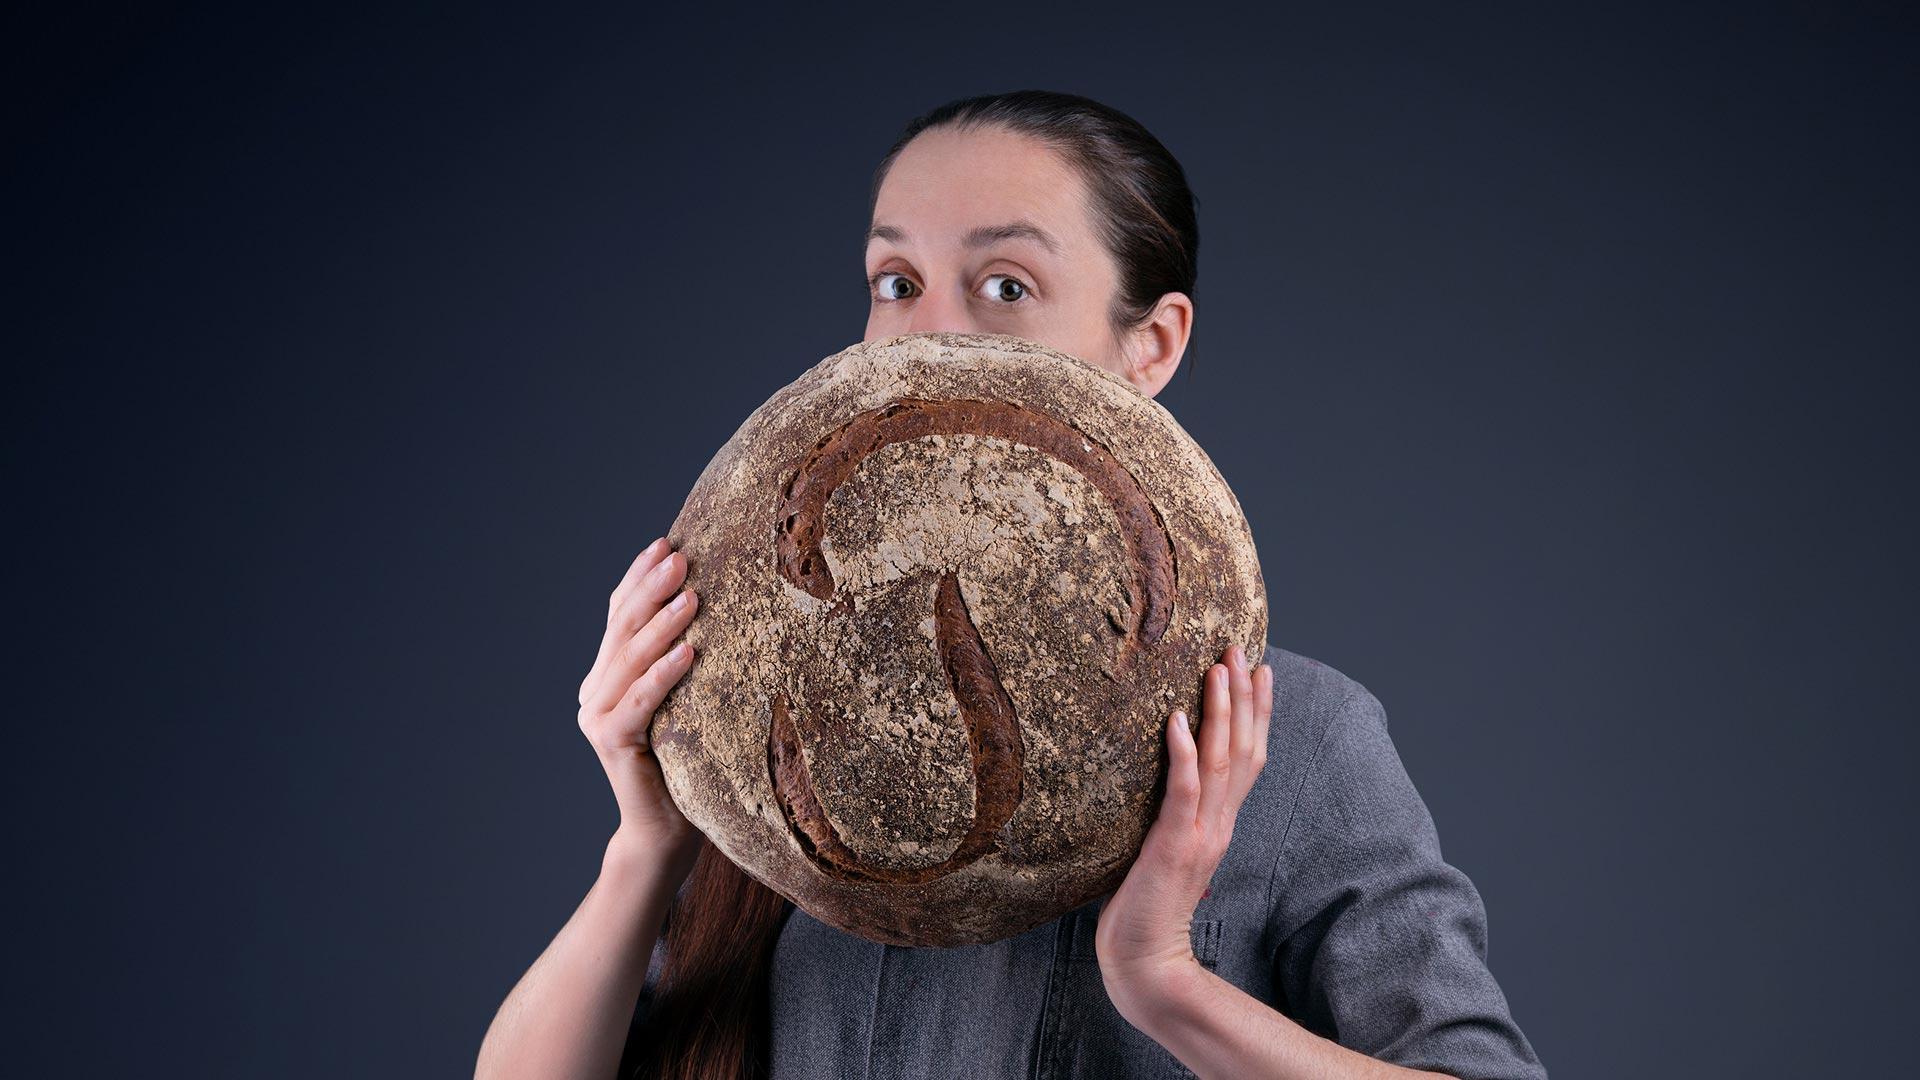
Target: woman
<point>1283,919</point>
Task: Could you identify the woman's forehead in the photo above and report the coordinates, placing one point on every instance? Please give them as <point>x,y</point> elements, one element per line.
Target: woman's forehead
<point>967,190</point>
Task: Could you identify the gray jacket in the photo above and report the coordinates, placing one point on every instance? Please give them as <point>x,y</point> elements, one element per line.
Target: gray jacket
<point>1332,905</point>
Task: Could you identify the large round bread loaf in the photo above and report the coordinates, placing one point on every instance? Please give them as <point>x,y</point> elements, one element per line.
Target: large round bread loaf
<point>951,587</point>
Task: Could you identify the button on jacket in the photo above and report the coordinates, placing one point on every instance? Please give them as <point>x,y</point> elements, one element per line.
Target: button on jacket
<point>1332,905</point>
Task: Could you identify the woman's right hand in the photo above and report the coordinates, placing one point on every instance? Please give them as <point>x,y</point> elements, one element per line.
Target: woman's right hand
<point>570,1014</point>
<point>629,678</point>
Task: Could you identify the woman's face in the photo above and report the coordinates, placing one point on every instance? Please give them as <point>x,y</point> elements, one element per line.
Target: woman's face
<point>992,232</point>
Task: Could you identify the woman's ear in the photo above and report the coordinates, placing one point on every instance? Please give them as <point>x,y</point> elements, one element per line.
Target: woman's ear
<point>1154,350</point>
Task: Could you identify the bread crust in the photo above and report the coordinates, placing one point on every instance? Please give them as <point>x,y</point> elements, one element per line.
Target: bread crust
<point>951,586</point>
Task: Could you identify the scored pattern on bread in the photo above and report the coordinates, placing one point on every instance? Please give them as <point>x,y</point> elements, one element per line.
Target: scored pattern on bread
<point>839,453</point>
<point>992,729</point>
<point>985,707</point>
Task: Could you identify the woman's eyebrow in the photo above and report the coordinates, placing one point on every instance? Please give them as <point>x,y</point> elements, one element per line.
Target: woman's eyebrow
<point>979,237</point>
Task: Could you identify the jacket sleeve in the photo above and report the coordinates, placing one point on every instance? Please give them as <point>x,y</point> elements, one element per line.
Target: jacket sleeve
<point>1383,944</point>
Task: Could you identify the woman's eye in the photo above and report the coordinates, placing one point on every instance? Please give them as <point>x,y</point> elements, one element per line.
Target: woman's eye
<point>884,289</point>
<point>1010,289</point>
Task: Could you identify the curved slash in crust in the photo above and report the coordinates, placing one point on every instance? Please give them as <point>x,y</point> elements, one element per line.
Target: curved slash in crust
<point>838,453</point>
<point>985,707</point>
<point>991,729</point>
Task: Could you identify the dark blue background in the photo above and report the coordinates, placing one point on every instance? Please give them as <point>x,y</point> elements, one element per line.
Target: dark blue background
<point>1560,359</point>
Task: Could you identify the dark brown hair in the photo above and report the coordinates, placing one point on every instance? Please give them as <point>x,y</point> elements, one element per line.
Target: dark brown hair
<point>708,1018</point>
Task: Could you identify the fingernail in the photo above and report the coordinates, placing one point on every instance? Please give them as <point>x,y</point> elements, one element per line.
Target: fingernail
<point>654,547</point>
<point>680,651</point>
<point>679,602</point>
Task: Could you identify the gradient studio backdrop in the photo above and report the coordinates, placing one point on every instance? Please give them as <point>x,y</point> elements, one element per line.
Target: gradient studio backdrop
<point>1560,360</point>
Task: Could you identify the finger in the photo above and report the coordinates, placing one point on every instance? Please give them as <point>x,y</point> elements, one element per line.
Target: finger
<point>629,719</point>
<point>605,720</point>
<point>640,651</point>
<point>642,602</point>
<point>1183,774</point>
<point>646,561</point>
<point>1263,714</point>
<point>1240,750</point>
<point>1215,730</point>
<point>641,565</point>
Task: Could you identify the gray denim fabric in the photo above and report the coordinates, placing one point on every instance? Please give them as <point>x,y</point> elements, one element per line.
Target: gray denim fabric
<point>1333,905</point>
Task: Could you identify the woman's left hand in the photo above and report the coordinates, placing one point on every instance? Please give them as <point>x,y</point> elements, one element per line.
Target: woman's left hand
<point>1143,940</point>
